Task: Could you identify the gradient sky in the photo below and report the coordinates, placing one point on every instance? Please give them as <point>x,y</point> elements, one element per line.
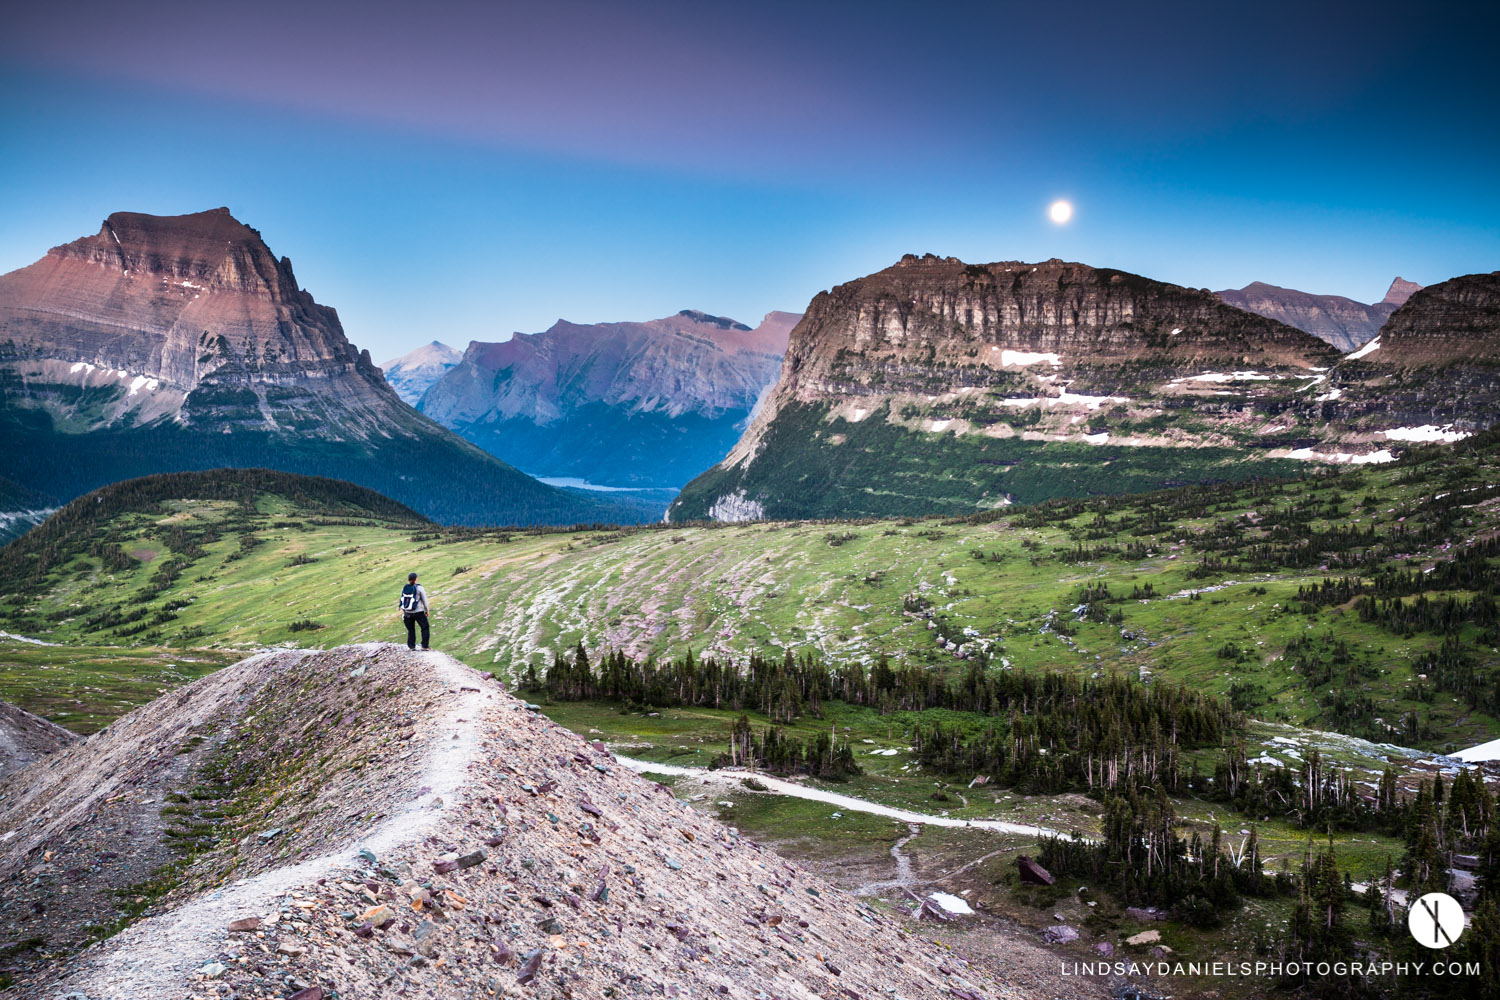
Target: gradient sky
<point>460,171</point>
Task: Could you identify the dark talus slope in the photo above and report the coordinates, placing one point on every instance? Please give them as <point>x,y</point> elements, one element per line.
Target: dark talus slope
<point>25,738</point>
<point>1342,322</point>
<point>620,404</point>
<point>182,342</point>
<point>396,823</point>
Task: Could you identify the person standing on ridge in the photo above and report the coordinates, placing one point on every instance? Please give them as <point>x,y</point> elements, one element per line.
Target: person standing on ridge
<point>414,611</point>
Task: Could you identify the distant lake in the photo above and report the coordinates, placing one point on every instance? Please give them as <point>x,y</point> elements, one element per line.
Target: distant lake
<point>584,484</point>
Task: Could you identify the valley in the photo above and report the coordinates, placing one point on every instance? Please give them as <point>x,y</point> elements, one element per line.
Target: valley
<point>1340,616</point>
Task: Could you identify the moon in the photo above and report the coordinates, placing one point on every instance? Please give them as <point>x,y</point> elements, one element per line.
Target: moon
<point>1061,211</point>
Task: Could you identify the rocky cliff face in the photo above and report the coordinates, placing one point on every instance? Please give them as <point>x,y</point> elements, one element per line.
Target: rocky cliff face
<point>415,372</point>
<point>643,404</point>
<point>185,318</point>
<point>1342,322</point>
<point>179,342</point>
<point>940,386</point>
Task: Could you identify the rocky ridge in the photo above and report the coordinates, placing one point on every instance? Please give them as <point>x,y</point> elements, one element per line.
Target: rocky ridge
<point>940,386</point>
<point>408,826</point>
<point>1342,322</point>
<point>642,404</point>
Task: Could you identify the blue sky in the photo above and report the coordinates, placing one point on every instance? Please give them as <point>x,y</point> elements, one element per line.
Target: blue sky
<point>461,171</point>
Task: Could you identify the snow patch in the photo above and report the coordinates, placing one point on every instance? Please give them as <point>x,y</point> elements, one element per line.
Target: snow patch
<point>142,382</point>
<point>1008,358</point>
<point>22,638</point>
<point>1330,394</point>
<point>1373,345</point>
<point>1482,752</point>
<point>938,426</point>
<point>1099,438</point>
<point>1221,377</point>
<point>950,902</point>
<point>1066,398</point>
<point>1342,457</point>
<point>1427,432</point>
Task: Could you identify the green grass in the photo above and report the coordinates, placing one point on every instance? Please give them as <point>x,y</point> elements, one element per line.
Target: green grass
<point>502,602</point>
<point>84,688</point>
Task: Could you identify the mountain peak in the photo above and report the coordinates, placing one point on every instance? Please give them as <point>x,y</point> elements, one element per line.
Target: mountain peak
<point>722,322</point>
<point>1400,291</point>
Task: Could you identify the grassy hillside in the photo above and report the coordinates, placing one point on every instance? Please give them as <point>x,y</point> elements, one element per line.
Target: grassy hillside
<point>819,464</point>
<point>1086,586</point>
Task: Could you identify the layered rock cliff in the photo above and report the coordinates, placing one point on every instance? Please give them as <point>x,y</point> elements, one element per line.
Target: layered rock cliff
<point>178,342</point>
<point>623,404</point>
<point>1342,322</point>
<point>1456,322</point>
<point>936,385</point>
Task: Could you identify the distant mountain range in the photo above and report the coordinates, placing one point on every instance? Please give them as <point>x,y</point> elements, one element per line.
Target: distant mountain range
<point>415,372</point>
<point>170,343</point>
<point>936,386</point>
<point>646,404</point>
<point>1342,322</point>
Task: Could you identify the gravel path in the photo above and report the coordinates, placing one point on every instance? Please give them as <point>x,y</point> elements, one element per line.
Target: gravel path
<point>151,959</point>
<point>735,777</point>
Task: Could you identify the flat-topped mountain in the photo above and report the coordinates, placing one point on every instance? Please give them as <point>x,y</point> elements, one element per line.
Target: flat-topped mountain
<point>623,404</point>
<point>416,371</point>
<point>176,342</point>
<point>936,385</point>
<point>1342,322</point>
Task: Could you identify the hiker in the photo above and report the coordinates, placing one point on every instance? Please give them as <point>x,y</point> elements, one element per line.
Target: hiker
<point>414,612</point>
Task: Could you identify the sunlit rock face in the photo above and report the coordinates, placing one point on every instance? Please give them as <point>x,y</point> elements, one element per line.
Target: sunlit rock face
<point>185,318</point>
<point>165,343</point>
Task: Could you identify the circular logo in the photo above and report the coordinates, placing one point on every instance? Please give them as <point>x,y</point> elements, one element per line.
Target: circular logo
<point>1436,920</point>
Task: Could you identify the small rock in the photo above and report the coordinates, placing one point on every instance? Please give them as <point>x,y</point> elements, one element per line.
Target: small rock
<point>243,925</point>
<point>213,970</point>
<point>1144,937</point>
<point>529,966</point>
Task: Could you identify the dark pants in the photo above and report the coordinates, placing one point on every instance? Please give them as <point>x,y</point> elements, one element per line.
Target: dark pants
<point>412,621</point>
